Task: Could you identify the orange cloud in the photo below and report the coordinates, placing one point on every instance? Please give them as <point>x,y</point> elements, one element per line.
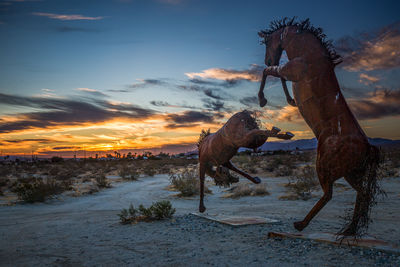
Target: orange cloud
<point>253,74</point>
<point>367,79</point>
<point>379,52</point>
<point>378,104</point>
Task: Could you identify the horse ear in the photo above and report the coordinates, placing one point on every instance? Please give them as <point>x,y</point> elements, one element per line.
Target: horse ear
<point>262,34</point>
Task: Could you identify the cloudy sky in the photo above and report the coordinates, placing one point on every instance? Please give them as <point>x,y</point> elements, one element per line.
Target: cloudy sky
<point>150,74</point>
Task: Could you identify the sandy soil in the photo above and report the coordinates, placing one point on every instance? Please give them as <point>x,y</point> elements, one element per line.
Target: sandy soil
<point>85,231</point>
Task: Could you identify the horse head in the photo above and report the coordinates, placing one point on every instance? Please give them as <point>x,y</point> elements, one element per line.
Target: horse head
<point>239,125</point>
<point>273,46</point>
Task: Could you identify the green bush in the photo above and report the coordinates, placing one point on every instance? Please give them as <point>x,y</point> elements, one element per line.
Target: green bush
<point>162,209</point>
<point>157,211</point>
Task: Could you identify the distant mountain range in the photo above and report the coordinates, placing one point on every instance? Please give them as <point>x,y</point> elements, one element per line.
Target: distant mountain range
<point>310,144</point>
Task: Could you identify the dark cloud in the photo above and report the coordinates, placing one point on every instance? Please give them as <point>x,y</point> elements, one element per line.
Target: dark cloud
<point>211,93</point>
<point>76,29</point>
<point>191,118</point>
<point>213,105</point>
<point>38,140</point>
<point>372,50</point>
<point>249,101</point>
<point>186,125</point>
<point>160,103</point>
<point>195,88</point>
<point>65,147</point>
<point>226,83</point>
<point>147,82</point>
<point>166,104</point>
<point>378,104</point>
<point>119,90</point>
<point>56,112</point>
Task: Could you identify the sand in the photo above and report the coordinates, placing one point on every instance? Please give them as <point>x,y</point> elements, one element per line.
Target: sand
<point>85,231</point>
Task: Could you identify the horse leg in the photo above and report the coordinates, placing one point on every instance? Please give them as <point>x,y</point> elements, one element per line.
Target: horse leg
<point>202,171</point>
<point>359,208</point>
<point>327,188</point>
<point>230,166</point>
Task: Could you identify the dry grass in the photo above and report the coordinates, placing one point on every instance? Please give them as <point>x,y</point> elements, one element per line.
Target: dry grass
<point>128,172</point>
<point>186,181</point>
<point>302,184</point>
<point>244,190</point>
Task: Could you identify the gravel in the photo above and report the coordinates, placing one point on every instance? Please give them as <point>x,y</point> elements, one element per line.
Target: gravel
<point>85,232</point>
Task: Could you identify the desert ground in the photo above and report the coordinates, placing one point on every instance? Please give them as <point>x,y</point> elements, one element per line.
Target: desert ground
<point>80,226</point>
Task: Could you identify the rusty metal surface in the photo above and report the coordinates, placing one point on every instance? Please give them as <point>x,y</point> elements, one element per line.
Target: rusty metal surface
<point>217,149</point>
<point>236,220</point>
<point>343,147</point>
<point>365,242</point>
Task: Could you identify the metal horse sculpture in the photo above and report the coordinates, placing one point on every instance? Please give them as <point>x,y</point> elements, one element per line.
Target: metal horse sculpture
<point>216,150</point>
<point>343,148</point>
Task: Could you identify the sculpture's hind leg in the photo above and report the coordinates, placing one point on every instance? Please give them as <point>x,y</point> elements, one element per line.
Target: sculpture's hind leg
<point>230,166</point>
<point>202,173</point>
<point>327,188</point>
<point>360,208</point>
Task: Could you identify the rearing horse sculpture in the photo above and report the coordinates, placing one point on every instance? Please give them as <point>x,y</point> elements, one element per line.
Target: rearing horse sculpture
<point>343,148</point>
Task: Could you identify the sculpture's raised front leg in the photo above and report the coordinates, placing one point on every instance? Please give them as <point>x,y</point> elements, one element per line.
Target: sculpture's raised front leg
<point>294,71</point>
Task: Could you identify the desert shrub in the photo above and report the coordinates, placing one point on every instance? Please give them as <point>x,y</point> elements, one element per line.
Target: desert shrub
<point>283,171</point>
<point>37,190</point>
<point>102,181</point>
<point>5,170</point>
<point>162,209</point>
<point>187,182</point>
<point>260,190</point>
<point>301,185</point>
<point>243,190</point>
<point>128,215</point>
<point>149,170</point>
<point>128,172</point>
<point>157,211</point>
<point>4,181</point>
<point>56,159</point>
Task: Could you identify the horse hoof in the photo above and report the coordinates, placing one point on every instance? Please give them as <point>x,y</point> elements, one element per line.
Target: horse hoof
<point>257,180</point>
<point>298,225</point>
<point>263,102</point>
<point>202,209</point>
<point>350,231</point>
<point>275,130</point>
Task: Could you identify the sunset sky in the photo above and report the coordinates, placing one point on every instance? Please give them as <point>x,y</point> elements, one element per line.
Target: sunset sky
<point>135,75</point>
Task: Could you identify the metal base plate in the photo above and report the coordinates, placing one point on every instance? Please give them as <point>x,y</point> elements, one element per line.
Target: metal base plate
<point>235,220</point>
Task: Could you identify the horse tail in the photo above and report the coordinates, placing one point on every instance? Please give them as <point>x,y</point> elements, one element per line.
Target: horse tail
<point>370,187</point>
<point>202,136</point>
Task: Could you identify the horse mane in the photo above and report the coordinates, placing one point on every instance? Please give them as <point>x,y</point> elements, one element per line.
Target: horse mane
<point>303,26</point>
<point>203,135</point>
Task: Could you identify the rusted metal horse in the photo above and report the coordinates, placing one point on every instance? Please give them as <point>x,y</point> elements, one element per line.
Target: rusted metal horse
<point>216,150</point>
<point>343,148</point>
